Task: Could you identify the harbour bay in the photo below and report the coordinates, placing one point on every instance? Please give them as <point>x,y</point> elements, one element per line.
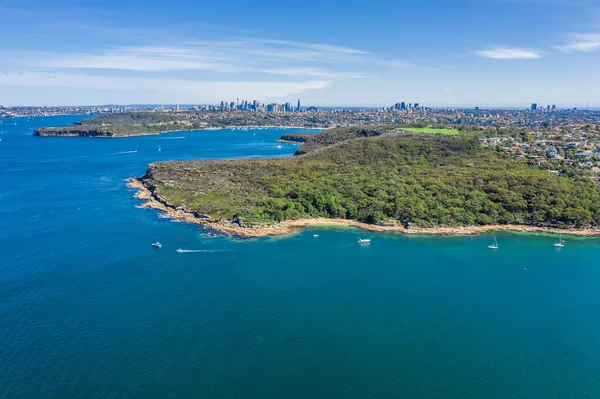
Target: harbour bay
<point>88,308</point>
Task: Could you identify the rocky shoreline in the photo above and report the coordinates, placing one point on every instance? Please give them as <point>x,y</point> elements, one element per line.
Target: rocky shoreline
<point>238,229</point>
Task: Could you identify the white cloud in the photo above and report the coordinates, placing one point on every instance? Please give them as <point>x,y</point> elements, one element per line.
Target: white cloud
<point>396,63</point>
<point>320,47</point>
<point>582,42</point>
<point>135,90</point>
<point>248,55</point>
<point>317,72</point>
<point>510,53</point>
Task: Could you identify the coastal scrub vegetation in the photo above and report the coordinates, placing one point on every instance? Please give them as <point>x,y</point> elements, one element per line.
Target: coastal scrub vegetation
<point>377,175</point>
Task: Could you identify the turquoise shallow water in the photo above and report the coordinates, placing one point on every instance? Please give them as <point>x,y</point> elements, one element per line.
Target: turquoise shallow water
<point>89,309</point>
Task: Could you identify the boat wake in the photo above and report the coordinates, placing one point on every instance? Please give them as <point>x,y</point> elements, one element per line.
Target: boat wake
<point>201,250</point>
<point>123,152</point>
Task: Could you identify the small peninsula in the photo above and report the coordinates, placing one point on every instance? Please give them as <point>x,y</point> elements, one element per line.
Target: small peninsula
<point>123,125</point>
<point>295,138</point>
<point>379,178</point>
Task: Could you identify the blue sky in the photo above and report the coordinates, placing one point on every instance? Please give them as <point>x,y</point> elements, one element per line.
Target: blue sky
<point>438,53</point>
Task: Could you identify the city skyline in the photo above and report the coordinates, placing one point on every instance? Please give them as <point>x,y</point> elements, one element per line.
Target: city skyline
<point>439,54</point>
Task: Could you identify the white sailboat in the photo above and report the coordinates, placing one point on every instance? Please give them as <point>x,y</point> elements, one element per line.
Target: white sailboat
<point>494,245</point>
<point>560,242</point>
<point>364,240</point>
<point>159,149</point>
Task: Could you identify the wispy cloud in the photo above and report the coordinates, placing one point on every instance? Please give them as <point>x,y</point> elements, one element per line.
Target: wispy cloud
<point>249,55</point>
<point>582,42</point>
<point>168,89</point>
<point>395,63</point>
<point>510,53</point>
<point>316,72</point>
<point>313,46</point>
<point>154,59</point>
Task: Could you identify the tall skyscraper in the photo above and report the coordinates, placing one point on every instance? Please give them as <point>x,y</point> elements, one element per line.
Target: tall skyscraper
<point>298,106</point>
<point>534,107</point>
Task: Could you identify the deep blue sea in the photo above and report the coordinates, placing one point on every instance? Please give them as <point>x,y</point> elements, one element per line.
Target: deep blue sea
<point>89,309</point>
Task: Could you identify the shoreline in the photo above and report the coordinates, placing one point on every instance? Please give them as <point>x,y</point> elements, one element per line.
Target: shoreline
<point>288,227</point>
<point>289,142</point>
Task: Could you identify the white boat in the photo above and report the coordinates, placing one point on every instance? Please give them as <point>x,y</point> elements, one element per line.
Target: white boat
<point>494,245</point>
<point>180,250</point>
<point>560,242</point>
<point>157,245</point>
<point>158,148</point>
<point>315,235</point>
<point>364,240</point>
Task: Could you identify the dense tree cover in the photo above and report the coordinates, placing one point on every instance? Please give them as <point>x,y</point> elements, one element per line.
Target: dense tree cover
<point>340,134</point>
<point>427,180</point>
<point>123,124</point>
<point>296,137</point>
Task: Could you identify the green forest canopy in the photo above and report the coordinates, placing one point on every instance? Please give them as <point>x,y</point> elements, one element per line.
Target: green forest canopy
<point>372,175</point>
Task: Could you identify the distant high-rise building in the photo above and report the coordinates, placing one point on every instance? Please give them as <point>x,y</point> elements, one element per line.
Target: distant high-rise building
<point>298,106</point>
<point>403,105</point>
<point>554,107</point>
<point>534,107</point>
<point>417,105</point>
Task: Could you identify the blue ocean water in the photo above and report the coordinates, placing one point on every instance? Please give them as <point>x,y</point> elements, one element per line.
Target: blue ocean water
<point>89,309</point>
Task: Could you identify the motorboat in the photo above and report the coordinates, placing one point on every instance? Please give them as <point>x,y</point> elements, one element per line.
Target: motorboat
<point>560,242</point>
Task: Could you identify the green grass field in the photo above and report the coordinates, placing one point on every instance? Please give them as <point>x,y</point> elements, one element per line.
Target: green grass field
<point>431,130</point>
